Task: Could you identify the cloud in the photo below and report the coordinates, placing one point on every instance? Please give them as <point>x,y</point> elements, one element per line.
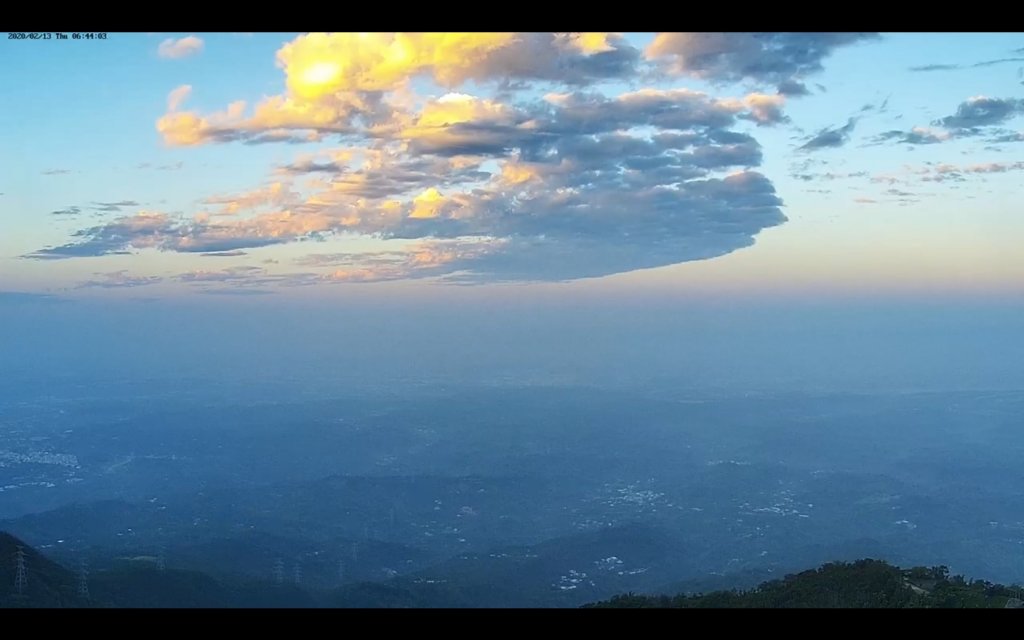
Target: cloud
<point>177,96</point>
<point>174,166</point>
<point>245,278</point>
<point>70,211</point>
<point>943,172</point>
<point>320,64</point>
<point>524,165</point>
<point>829,176</point>
<point>947,172</point>
<point>830,137</point>
<point>792,88</point>
<point>337,81</point>
<point>277,194</point>
<point>773,58</point>
<point>974,117</point>
<point>113,207</point>
<point>224,254</point>
<point>935,67</point>
<point>180,48</point>
<point>1007,136</point>
<point>765,109</point>
<point>586,185</point>
<point>119,280</point>
<point>274,119</point>
<point>56,172</point>
<point>982,111</point>
<point>917,135</point>
<point>955,67</point>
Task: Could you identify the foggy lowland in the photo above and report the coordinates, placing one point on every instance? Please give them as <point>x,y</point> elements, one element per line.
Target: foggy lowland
<point>481,320</point>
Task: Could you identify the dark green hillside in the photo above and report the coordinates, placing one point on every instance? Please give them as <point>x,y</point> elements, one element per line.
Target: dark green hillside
<point>860,584</point>
<point>47,584</point>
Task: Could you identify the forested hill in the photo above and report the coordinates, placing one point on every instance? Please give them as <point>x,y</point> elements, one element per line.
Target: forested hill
<point>860,584</point>
<point>44,583</point>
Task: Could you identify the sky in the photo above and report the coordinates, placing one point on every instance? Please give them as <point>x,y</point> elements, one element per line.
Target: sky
<point>168,166</point>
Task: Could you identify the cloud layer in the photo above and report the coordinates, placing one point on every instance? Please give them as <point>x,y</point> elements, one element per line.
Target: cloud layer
<point>780,58</point>
<point>528,162</point>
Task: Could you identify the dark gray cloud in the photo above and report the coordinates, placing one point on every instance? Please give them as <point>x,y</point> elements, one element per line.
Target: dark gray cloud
<point>539,56</point>
<point>914,136</point>
<point>224,254</point>
<point>974,117</point>
<point>393,176</point>
<point>1007,136</point>
<point>899,193</point>
<point>830,137</point>
<point>69,211</point>
<point>702,219</point>
<point>774,58</point>
<point>793,88</point>
<point>955,67</point>
<point>880,108</point>
<point>114,207</point>
<point>829,176</point>
<point>935,67</point>
<point>982,112</point>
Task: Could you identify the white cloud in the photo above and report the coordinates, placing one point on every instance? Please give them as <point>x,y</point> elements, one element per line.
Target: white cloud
<point>180,48</point>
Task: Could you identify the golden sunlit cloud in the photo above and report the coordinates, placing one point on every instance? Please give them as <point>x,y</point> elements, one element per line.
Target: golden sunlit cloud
<point>427,204</point>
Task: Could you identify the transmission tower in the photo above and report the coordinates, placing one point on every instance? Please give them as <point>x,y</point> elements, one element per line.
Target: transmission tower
<point>83,579</point>
<point>297,574</point>
<point>20,575</point>
<point>279,571</point>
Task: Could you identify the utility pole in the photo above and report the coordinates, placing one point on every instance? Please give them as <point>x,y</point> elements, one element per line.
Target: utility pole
<point>161,558</point>
<point>83,579</point>
<point>279,571</point>
<point>20,575</point>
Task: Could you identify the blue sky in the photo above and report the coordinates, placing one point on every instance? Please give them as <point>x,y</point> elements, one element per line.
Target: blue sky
<point>604,162</point>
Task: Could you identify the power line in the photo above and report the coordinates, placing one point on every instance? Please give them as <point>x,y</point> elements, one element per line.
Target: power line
<point>279,571</point>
